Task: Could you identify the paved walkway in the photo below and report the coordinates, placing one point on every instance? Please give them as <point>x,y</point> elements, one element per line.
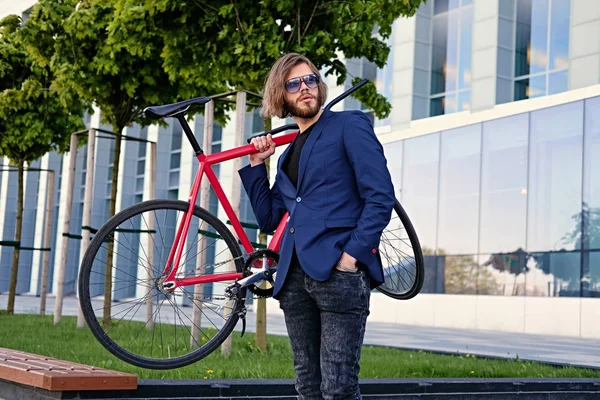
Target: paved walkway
<point>544,348</point>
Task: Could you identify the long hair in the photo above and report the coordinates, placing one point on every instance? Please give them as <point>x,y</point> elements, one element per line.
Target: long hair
<point>273,104</point>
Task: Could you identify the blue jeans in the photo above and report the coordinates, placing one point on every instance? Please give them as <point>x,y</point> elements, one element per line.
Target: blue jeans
<point>326,325</point>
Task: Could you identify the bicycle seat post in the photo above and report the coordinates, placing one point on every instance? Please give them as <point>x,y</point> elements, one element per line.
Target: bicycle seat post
<point>189,134</point>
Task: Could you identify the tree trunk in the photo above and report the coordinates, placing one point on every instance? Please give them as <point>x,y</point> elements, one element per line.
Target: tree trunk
<point>14,271</point>
<point>261,304</point>
<point>110,248</point>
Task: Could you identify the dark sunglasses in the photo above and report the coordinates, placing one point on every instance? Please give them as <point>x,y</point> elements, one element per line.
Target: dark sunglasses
<point>294,84</point>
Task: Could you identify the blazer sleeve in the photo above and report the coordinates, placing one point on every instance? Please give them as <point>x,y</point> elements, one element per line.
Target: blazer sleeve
<point>267,203</point>
<point>365,154</point>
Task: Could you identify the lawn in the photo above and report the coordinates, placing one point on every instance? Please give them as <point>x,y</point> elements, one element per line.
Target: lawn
<point>35,334</point>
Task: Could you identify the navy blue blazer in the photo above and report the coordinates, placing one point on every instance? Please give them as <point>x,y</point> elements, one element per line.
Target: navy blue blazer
<point>343,202</point>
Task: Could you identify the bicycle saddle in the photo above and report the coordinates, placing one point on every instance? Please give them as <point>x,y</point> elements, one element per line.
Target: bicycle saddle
<point>172,110</point>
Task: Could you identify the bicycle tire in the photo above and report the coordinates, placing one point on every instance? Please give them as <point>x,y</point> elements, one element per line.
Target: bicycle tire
<point>403,278</point>
<point>108,232</point>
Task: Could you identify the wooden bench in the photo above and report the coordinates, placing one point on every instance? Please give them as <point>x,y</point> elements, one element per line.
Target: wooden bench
<point>57,375</point>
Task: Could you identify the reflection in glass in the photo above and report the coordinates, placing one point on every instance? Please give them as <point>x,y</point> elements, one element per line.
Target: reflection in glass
<point>464,101</point>
<point>559,34</point>
<point>554,274</point>
<point>393,154</point>
<point>555,176</point>
<point>460,274</point>
<point>531,37</point>
<point>529,88</point>
<point>459,190</point>
<point>504,184</point>
<point>433,281</point>
<point>439,50</point>
<point>590,281</point>
<point>437,106</point>
<point>420,186</point>
<point>591,174</point>
<point>558,82</point>
<point>466,39</point>
<point>502,274</point>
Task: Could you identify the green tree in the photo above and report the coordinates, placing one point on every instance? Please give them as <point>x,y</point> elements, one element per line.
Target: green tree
<point>92,53</point>
<point>34,118</point>
<point>241,39</point>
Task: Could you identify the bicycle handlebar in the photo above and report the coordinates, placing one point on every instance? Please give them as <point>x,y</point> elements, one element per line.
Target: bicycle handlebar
<point>327,107</point>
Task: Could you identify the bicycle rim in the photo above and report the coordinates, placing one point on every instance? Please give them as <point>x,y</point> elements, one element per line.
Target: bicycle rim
<point>401,257</point>
<point>139,323</point>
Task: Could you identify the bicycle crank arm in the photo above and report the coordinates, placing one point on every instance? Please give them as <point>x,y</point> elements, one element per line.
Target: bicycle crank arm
<point>264,274</point>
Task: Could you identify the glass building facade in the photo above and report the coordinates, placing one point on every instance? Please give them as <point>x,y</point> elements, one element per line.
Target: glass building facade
<point>509,206</point>
<point>541,47</point>
<point>451,46</point>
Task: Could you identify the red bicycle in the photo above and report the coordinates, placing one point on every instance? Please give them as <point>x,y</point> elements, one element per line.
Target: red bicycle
<point>164,282</point>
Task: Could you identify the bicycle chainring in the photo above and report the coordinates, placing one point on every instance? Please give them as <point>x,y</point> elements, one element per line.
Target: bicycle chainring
<point>255,260</point>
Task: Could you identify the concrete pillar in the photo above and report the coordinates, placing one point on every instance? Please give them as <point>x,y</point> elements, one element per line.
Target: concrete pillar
<point>584,44</point>
<point>403,71</point>
<point>485,54</point>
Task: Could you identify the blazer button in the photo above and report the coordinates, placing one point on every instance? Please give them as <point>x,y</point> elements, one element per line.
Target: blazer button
<point>291,230</point>
<point>298,199</point>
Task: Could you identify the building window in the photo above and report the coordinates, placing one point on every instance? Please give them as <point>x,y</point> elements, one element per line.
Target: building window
<point>175,160</point>
<point>141,163</point>
<point>451,57</point>
<point>541,47</point>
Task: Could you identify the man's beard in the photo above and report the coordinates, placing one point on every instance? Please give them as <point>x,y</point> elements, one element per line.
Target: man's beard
<point>299,111</point>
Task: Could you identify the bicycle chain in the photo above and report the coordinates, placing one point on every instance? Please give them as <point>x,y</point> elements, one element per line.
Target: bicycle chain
<point>189,272</point>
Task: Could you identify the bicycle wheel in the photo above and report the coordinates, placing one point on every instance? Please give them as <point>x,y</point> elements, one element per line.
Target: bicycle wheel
<point>401,257</point>
<point>138,321</point>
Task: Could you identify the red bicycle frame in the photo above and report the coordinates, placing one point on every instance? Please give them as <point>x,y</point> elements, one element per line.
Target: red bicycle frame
<point>206,163</point>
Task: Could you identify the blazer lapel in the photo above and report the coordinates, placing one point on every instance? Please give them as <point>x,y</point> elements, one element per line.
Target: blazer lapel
<point>310,142</point>
<point>285,178</point>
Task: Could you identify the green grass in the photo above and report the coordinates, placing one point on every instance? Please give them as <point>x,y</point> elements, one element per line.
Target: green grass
<point>34,334</point>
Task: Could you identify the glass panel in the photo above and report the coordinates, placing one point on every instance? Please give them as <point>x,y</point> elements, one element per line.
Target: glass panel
<point>459,190</point>
<point>504,63</point>
<point>451,67</point>
<point>176,136</point>
<point>175,160</point>
<point>217,132</point>
<point>466,2</point>
<point>139,184</point>
<point>591,279</point>
<point>438,54</point>
<point>529,88</point>
<point>174,178</point>
<point>504,185</point>
<point>141,150</point>
<point>559,34</point>
<point>440,6</point>
<point>559,82</point>
<point>140,167</point>
<point>506,8</point>
<point>464,101</point>
<point>420,186</point>
<point>421,80</point>
<point>393,154</point>
<point>466,39</point>
<point>436,106</point>
<point>555,177</point>
<point>591,174</point>
<point>433,281</point>
<point>554,274</point>
<point>505,33</point>
<point>460,274</point>
<point>502,274</point>
<point>531,41</point>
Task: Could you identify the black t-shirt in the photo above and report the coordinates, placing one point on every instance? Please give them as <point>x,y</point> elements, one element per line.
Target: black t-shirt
<point>292,161</point>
